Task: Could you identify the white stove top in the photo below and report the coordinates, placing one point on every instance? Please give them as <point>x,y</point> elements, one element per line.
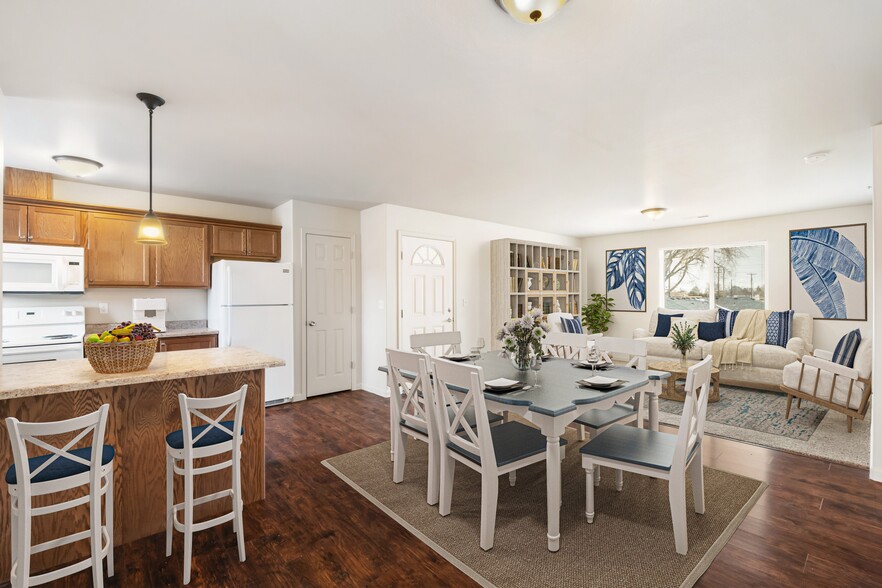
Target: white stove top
<point>43,334</point>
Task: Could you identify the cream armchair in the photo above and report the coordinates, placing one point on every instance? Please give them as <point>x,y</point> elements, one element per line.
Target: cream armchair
<point>837,387</point>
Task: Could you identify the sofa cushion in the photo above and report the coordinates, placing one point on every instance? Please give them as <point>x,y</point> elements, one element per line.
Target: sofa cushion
<point>663,326</point>
<point>840,394</point>
<point>661,347</point>
<point>772,356</point>
<point>779,327</point>
<point>846,349</point>
<point>728,317</point>
<point>863,359</point>
<point>711,331</point>
<point>570,325</point>
<point>696,315</point>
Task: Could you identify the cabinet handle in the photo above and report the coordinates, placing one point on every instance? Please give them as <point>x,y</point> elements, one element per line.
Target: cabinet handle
<point>30,237</point>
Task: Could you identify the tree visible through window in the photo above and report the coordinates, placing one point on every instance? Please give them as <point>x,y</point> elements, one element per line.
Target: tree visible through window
<point>700,278</point>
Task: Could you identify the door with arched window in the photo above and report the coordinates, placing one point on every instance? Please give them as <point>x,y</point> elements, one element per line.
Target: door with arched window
<point>426,287</point>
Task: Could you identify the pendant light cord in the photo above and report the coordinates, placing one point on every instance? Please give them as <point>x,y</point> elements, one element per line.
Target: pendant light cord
<point>150,211</point>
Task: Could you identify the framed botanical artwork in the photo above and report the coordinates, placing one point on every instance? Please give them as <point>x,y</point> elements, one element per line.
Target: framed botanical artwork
<point>626,279</point>
<point>828,272</point>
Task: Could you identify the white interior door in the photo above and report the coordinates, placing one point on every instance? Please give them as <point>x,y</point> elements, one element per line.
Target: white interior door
<point>328,314</point>
<point>426,302</point>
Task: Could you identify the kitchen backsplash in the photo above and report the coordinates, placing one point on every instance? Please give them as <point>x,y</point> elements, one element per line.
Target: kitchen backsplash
<point>169,325</point>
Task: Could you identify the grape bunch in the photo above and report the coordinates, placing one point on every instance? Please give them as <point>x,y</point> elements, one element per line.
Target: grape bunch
<point>141,331</point>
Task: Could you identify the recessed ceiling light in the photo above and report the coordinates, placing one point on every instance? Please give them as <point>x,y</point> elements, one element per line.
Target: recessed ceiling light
<point>77,166</point>
<point>653,213</point>
<point>531,11</point>
<point>816,157</point>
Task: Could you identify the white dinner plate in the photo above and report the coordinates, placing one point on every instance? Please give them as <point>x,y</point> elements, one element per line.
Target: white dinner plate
<point>501,384</point>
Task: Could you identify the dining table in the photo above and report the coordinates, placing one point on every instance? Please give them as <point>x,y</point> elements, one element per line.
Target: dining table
<point>552,399</point>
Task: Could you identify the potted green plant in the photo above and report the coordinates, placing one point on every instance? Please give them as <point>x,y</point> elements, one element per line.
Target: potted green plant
<point>597,315</point>
<point>683,339</point>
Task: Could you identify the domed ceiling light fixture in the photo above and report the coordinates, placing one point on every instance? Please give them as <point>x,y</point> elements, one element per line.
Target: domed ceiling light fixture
<point>150,231</point>
<point>653,213</point>
<point>531,11</point>
<point>77,166</point>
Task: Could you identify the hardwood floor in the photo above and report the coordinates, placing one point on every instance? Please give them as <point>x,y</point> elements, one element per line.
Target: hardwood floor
<point>818,524</point>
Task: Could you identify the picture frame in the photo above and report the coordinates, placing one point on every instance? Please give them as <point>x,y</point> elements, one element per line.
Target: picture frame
<point>828,272</point>
<point>626,278</point>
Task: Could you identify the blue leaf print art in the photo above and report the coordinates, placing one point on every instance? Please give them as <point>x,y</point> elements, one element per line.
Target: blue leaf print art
<point>626,269</point>
<point>819,257</point>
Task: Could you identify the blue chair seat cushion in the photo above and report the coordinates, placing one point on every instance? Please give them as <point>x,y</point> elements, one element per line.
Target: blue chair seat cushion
<point>469,417</point>
<point>597,419</point>
<point>175,439</point>
<point>62,467</point>
<point>641,447</point>
<point>511,442</point>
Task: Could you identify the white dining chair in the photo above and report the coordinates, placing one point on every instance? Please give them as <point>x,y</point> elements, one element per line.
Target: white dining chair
<point>659,455</point>
<point>490,451</point>
<point>427,343</point>
<point>568,345</point>
<point>190,443</point>
<point>62,469</point>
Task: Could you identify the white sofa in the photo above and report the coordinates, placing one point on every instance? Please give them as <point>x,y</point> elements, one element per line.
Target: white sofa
<point>769,361</point>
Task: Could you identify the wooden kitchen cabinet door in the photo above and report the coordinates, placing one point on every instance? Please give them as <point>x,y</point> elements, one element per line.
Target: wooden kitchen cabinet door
<point>264,244</point>
<point>184,262</point>
<point>229,241</point>
<point>15,223</point>
<point>55,226</point>
<point>187,343</point>
<point>113,258</point>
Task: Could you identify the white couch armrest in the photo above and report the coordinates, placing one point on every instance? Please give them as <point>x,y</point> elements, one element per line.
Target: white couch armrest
<point>824,354</point>
<point>640,333</point>
<point>799,346</point>
<point>829,366</point>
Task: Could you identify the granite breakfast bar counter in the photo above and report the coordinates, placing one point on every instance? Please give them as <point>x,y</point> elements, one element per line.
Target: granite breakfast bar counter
<point>143,410</point>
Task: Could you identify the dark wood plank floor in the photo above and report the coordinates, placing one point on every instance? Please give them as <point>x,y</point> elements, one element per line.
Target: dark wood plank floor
<point>817,525</point>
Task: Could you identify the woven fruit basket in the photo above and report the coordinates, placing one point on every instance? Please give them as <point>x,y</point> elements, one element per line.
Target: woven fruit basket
<point>118,358</point>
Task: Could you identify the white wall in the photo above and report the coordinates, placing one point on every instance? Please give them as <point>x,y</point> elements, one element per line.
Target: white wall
<point>2,177</point>
<point>773,230</point>
<point>876,244</point>
<point>299,219</point>
<point>183,303</point>
<point>380,230</point>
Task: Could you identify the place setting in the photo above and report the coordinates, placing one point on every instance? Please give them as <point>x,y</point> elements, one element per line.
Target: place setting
<point>601,383</point>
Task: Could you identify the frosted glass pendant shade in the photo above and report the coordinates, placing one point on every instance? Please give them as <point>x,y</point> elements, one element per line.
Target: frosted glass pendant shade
<point>531,11</point>
<point>150,231</point>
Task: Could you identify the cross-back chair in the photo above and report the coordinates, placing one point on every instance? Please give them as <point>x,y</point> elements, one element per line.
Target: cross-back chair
<point>428,343</point>
<point>568,345</point>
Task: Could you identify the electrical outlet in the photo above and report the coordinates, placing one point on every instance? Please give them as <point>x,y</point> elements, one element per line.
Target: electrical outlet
<point>103,308</point>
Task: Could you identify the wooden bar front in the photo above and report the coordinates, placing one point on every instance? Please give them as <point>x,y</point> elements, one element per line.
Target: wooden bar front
<point>140,417</point>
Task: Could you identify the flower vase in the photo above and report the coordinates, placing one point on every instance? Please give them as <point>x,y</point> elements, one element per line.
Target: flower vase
<point>683,362</point>
<point>522,358</point>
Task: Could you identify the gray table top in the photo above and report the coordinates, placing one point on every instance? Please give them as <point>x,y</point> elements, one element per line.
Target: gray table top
<point>558,392</point>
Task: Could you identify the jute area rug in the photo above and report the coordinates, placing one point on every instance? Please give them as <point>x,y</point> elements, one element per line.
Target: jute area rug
<point>630,543</point>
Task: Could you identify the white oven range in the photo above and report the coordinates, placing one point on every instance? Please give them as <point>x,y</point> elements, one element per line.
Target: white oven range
<point>43,334</point>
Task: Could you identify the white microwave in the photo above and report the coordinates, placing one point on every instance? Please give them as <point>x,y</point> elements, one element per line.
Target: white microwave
<point>43,269</point>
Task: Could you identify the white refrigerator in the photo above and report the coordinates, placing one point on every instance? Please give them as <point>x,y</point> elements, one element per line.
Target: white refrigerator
<point>251,304</point>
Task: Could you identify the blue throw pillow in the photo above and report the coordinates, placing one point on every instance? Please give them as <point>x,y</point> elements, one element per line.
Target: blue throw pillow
<point>846,349</point>
<point>570,325</point>
<point>663,326</point>
<point>712,331</point>
<point>778,328</point>
<point>728,317</point>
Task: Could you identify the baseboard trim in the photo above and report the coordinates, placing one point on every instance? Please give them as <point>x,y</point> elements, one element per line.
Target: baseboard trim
<point>384,392</point>
<point>876,474</point>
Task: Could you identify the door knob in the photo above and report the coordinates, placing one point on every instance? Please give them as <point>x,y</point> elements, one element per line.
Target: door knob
<point>450,320</point>
<point>311,323</point>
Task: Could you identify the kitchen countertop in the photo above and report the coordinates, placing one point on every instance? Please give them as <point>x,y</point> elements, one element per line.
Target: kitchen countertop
<point>39,379</point>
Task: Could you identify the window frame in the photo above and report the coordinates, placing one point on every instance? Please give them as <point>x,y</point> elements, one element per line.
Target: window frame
<point>709,271</point>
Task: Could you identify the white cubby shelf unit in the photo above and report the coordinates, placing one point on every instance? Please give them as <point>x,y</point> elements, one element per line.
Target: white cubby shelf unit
<point>529,275</point>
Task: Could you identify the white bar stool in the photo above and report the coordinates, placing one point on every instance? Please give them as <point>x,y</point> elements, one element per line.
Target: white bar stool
<point>191,443</point>
<point>61,469</point>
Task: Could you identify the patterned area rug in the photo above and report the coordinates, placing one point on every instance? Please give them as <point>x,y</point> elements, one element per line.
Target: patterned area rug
<point>758,411</point>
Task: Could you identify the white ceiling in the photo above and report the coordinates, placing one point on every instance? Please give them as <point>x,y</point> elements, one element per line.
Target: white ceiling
<point>571,126</point>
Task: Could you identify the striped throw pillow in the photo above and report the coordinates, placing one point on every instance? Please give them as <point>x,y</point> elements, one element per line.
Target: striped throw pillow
<point>778,328</point>
<point>570,325</point>
<point>846,349</point>
<point>724,315</point>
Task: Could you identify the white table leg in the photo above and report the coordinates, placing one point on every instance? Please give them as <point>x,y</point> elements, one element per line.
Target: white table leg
<point>653,409</point>
<point>552,464</point>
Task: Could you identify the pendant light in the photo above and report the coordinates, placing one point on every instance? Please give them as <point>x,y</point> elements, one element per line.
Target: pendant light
<point>531,11</point>
<point>150,231</point>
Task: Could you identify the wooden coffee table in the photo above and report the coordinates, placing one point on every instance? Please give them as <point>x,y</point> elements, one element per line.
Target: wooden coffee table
<point>677,370</point>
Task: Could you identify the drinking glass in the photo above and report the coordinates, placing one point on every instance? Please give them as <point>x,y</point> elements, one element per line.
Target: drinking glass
<point>536,365</point>
<point>478,349</point>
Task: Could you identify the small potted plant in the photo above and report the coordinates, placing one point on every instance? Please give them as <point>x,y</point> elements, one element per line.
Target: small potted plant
<point>683,339</point>
<point>597,315</point>
<point>522,338</point>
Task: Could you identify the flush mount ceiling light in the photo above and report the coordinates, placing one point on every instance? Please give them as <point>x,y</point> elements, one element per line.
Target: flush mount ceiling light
<point>653,213</point>
<point>531,11</point>
<point>150,231</point>
<point>817,157</point>
<point>77,166</point>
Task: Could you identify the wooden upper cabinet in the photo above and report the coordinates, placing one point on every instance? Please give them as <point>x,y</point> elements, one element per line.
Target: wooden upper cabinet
<point>25,183</point>
<point>229,241</point>
<point>55,226</point>
<point>184,261</point>
<point>113,258</point>
<point>264,244</point>
<point>15,223</point>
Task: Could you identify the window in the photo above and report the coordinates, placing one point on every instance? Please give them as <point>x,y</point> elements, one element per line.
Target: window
<point>703,277</point>
<point>426,255</point>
